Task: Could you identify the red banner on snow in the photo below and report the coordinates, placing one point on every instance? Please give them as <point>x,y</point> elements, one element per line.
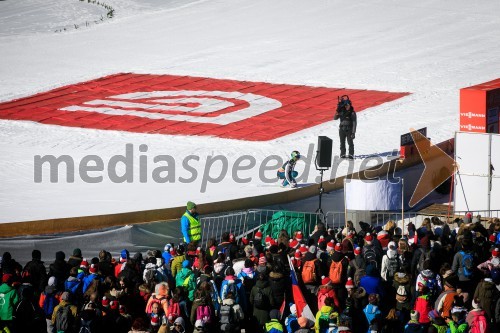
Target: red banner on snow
<point>184,105</point>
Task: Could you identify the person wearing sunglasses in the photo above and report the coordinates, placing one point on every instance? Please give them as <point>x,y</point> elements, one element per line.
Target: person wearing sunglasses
<point>287,172</point>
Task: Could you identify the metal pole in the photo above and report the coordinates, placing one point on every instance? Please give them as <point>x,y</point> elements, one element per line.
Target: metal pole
<point>345,203</point>
<point>490,171</point>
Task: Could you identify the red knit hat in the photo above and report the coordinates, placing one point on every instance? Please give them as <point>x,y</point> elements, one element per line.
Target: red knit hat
<point>321,239</point>
<point>303,248</point>
<point>338,247</point>
<point>198,250</point>
<point>357,251</point>
<point>368,238</point>
<point>7,278</point>
<point>105,301</point>
<point>93,268</point>
<point>298,254</point>
<point>495,252</point>
<point>114,305</point>
<point>293,243</point>
<point>268,240</point>
<point>493,237</point>
<point>155,321</point>
<point>244,240</point>
<point>299,236</point>
<point>84,263</point>
<point>330,246</point>
<point>325,280</point>
<point>231,238</point>
<point>349,284</point>
<point>258,235</point>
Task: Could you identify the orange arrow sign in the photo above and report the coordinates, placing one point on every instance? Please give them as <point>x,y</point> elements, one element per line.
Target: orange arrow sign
<point>438,167</point>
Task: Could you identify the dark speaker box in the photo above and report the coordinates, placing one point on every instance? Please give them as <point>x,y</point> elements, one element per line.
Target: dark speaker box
<point>324,152</point>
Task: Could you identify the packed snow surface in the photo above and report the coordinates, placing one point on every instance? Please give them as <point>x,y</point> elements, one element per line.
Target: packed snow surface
<point>428,48</point>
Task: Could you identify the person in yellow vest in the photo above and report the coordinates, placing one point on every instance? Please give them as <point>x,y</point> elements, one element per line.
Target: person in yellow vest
<point>190,224</point>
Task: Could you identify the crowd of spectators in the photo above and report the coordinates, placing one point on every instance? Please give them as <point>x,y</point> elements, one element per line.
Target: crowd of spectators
<point>428,279</point>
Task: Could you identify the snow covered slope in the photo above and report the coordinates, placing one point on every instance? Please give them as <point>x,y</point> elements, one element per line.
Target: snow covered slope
<point>427,48</point>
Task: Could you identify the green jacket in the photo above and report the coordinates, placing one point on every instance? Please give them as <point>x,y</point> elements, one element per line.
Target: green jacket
<point>189,285</point>
<point>8,298</point>
<point>458,328</point>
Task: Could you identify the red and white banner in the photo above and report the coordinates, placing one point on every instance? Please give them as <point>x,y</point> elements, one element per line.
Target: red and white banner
<point>184,105</point>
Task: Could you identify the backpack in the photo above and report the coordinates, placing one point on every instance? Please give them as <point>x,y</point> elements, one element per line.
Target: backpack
<point>336,272</point>
<point>324,321</point>
<point>227,318</point>
<point>479,324</point>
<point>174,310</point>
<point>432,285</point>
<point>369,254</point>
<point>423,306</point>
<point>423,257</point>
<point>259,300</point>
<point>392,266</point>
<point>358,274</point>
<point>231,287</point>
<point>467,264</point>
<point>64,319</point>
<point>204,313</point>
<point>309,271</point>
<point>49,303</point>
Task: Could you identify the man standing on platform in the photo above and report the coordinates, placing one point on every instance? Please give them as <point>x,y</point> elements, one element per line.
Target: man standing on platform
<point>347,127</point>
<point>190,224</point>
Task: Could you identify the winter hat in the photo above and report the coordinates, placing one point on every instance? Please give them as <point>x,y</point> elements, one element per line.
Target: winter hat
<point>258,235</point>
<point>383,238</point>
<point>321,239</point>
<point>105,301</point>
<point>349,284</point>
<point>52,281</point>
<point>7,278</point>
<point>93,269</point>
<point>434,314</point>
<point>392,245</point>
<point>495,252</point>
<point>303,248</point>
<point>60,255</point>
<point>338,247</point>
<point>268,240</point>
<point>325,280</point>
<point>299,236</point>
<point>293,309</point>
<point>84,263</point>
<point>122,309</point>
<point>262,260</point>
<point>302,321</point>
<point>77,252</point>
<point>124,256</point>
<point>293,243</point>
<point>186,264</point>
<point>357,251</point>
<point>371,270</point>
<point>114,305</point>
<point>312,249</point>
<point>190,205</point>
<point>298,254</point>
<point>65,296</point>
<point>329,246</point>
<point>493,238</point>
<point>36,254</point>
<point>244,240</point>
<point>167,247</point>
<point>368,238</point>
<point>414,315</point>
<point>274,314</point>
<point>199,324</point>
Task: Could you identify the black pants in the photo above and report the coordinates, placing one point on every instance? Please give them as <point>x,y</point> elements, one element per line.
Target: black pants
<point>343,134</point>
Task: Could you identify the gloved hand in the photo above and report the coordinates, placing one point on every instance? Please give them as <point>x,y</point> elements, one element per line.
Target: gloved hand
<point>353,136</point>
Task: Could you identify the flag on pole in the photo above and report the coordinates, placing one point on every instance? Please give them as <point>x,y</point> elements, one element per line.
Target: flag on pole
<point>303,309</point>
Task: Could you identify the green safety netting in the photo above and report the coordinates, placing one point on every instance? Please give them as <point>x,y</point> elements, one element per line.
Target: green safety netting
<point>289,221</point>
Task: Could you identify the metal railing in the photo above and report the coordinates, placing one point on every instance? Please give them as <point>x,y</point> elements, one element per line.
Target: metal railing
<point>242,223</point>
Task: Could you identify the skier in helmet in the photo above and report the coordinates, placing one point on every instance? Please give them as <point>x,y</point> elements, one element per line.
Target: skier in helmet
<point>287,172</point>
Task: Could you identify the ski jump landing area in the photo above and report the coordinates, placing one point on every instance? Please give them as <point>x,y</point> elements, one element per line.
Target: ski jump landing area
<point>187,106</point>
